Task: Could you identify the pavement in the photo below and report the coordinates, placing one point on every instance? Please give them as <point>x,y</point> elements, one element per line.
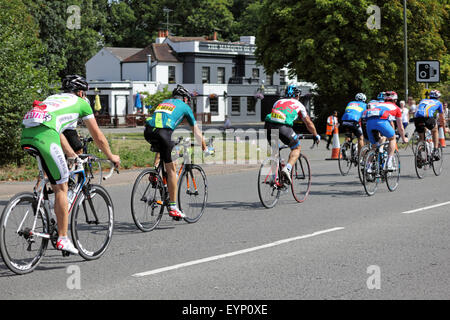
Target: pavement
<point>339,244</point>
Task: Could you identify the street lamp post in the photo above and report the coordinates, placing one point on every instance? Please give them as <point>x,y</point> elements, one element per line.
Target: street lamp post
<point>405,31</point>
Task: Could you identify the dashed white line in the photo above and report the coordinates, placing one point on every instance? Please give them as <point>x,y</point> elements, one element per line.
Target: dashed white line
<point>428,208</point>
<point>235,253</point>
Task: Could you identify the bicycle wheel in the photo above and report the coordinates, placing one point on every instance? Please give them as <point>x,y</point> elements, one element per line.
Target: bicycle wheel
<point>268,178</point>
<point>92,222</point>
<point>345,158</point>
<point>361,162</point>
<point>192,192</point>
<point>370,176</point>
<point>21,251</point>
<point>393,177</point>
<point>301,179</point>
<point>437,164</point>
<point>147,200</point>
<point>421,159</point>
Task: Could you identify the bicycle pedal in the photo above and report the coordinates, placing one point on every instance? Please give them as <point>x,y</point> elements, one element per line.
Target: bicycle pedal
<point>176,218</point>
<point>65,253</point>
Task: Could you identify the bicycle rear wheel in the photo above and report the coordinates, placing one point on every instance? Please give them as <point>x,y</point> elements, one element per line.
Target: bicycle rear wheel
<point>192,192</point>
<point>268,179</point>
<point>421,159</point>
<point>437,164</point>
<point>345,158</point>
<point>21,251</point>
<point>361,162</point>
<point>370,176</point>
<point>92,222</point>
<point>301,179</point>
<point>393,177</point>
<point>147,200</point>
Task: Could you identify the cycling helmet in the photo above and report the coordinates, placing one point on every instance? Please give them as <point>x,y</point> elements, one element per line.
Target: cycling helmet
<point>380,96</point>
<point>390,96</point>
<point>361,97</point>
<point>180,91</point>
<point>292,92</point>
<point>434,94</point>
<point>73,83</point>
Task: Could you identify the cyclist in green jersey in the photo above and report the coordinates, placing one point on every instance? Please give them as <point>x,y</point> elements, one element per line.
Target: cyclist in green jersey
<point>42,127</point>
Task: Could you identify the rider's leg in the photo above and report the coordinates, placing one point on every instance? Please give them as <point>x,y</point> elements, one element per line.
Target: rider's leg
<point>61,208</point>
<point>435,133</point>
<point>294,155</point>
<point>171,181</point>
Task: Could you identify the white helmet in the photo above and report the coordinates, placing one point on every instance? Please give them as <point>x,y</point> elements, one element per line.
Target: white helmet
<point>361,97</point>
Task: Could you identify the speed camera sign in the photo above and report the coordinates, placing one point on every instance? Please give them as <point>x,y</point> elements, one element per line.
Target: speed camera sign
<point>427,71</point>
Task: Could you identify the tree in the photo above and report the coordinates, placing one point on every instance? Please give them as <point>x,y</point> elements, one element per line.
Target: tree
<point>22,79</point>
<point>327,42</point>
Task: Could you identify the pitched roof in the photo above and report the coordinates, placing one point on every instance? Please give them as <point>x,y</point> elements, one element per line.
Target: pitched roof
<point>161,52</point>
<point>185,39</point>
<point>123,53</point>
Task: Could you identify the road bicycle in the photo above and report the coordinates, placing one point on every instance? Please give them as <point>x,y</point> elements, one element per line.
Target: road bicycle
<point>424,158</point>
<point>150,194</point>
<point>376,171</point>
<point>348,155</point>
<point>28,223</point>
<point>271,183</point>
<point>366,148</point>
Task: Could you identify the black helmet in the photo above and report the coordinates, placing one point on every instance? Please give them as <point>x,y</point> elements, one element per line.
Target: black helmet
<point>292,91</point>
<point>180,91</point>
<point>73,83</point>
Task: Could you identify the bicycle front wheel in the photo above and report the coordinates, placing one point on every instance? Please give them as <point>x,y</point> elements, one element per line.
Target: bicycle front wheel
<point>192,192</point>
<point>147,200</point>
<point>345,158</point>
<point>92,222</point>
<point>268,179</point>
<point>20,247</point>
<point>437,164</point>
<point>301,179</point>
<point>421,159</point>
<point>393,176</point>
<point>361,162</point>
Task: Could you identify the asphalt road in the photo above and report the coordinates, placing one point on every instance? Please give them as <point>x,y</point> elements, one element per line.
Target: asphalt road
<point>339,244</point>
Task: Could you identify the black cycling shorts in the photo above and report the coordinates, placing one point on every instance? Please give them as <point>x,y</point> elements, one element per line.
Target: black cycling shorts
<point>73,139</point>
<point>353,127</point>
<point>161,141</point>
<point>287,135</point>
<point>421,123</point>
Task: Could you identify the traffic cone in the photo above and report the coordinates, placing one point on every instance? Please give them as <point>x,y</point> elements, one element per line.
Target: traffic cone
<point>441,137</point>
<point>336,145</point>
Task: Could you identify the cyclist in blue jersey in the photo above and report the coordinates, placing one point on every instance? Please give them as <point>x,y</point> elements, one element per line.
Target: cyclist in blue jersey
<point>352,116</point>
<point>158,132</point>
<point>425,117</point>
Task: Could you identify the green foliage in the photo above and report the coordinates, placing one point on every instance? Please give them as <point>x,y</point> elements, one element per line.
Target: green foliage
<point>22,79</point>
<point>156,98</point>
<point>327,42</point>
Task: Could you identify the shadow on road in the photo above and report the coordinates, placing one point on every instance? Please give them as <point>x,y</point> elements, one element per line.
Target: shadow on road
<point>236,205</point>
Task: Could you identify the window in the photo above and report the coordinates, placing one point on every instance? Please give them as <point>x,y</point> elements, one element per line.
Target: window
<point>282,78</point>
<point>214,106</point>
<point>172,74</point>
<point>235,106</point>
<point>251,105</point>
<point>269,79</point>
<point>233,72</point>
<point>205,74</point>
<point>255,73</point>
<point>220,75</point>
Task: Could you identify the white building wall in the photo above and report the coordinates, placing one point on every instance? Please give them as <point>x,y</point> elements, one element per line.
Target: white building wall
<point>104,66</point>
<point>160,72</point>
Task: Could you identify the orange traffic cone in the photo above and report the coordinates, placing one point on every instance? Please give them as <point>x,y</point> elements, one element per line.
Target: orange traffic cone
<point>336,145</point>
<point>441,137</point>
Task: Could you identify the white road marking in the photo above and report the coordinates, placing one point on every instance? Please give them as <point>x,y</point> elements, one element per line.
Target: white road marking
<point>235,253</point>
<point>428,208</point>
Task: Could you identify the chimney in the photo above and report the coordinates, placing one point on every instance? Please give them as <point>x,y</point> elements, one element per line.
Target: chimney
<point>161,37</point>
<point>167,33</point>
<point>215,36</point>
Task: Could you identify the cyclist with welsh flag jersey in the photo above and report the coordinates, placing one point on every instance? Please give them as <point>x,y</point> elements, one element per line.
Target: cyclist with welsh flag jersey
<point>42,128</point>
<point>284,112</point>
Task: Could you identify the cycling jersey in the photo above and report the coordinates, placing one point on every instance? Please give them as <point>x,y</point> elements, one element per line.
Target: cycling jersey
<point>429,108</point>
<point>286,111</point>
<point>384,111</point>
<point>170,113</point>
<point>354,111</point>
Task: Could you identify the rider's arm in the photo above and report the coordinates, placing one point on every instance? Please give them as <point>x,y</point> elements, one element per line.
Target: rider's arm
<point>100,140</point>
<point>199,136</point>
<point>401,130</point>
<point>67,149</point>
<point>310,125</point>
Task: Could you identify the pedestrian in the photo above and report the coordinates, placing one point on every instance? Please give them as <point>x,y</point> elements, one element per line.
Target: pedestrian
<point>227,124</point>
<point>332,124</point>
<point>411,105</point>
<point>405,114</point>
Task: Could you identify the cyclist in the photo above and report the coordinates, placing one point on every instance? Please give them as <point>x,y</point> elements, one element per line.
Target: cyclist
<point>284,112</point>
<point>158,132</point>
<point>42,127</point>
<point>379,120</point>
<point>425,117</point>
<point>352,116</point>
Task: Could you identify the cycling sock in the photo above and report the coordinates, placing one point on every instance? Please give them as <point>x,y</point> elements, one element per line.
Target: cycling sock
<point>289,166</point>
<point>173,205</point>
